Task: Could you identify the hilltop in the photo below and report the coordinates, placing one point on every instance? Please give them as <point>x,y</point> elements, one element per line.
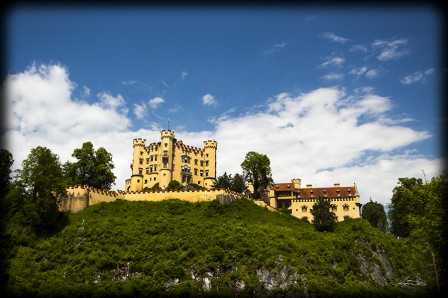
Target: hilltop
<point>175,248</point>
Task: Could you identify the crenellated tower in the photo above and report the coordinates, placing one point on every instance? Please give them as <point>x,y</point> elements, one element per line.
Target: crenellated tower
<point>137,165</point>
<point>210,148</point>
<point>167,156</point>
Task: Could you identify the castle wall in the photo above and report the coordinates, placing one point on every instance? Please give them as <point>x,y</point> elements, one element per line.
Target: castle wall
<point>77,199</point>
<point>189,196</point>
<point>80,197</point>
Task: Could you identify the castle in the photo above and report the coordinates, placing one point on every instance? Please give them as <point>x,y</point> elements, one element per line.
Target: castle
<point>170,159</point>
<point>345,200</point>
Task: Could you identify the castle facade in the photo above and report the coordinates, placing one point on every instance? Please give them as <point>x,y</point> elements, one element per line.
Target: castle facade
<point>345,200</point>
<point>170,159</point>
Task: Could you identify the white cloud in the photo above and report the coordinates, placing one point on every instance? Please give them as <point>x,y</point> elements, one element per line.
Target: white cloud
<point>140,110</point>
<point>334,38</point>
<point>364,71</point>
<point>184,74</point>
<point>277,47</point>
<point>209,100</point>
<point>155,102</point>
<point>332,61</point>
<point>333,76</point>
<point>358,48</point>
<point>323,136</point>
<point>390,49</point>
<point>418,76</point>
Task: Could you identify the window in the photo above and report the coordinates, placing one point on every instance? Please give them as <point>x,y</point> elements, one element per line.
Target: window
<point>304,208</point>
<point>186,159</point>
<point>206,173</point>
<point>140,171</point>
<point>146,181</point>
<point>195,162</point>
<point>147,170</point>
<point>155,157</point>
<point>147,160</point>
<point>202,163</point>
<point>150,169</point>
<point>206,163</point>
<point>155,168</point>
<point>206,155</point>
<point>201,173</point>
<point>345,207</point>
<point>141,152</point>
<point>196,172</point>
<point>166,145</point>
<point>141,161</point>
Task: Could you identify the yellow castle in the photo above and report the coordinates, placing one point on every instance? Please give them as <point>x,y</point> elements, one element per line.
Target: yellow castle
<point>170,159</point>
<point>345,200</point>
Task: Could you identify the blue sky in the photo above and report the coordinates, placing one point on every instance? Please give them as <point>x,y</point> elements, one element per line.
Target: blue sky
<point>330,95</point>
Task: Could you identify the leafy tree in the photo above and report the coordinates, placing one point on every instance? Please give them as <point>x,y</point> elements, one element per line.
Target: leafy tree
<point>174,185</point>
<point>224,181</point>
<point>375,214</point>
<point>427,225</point>
<point>238,184</point>
<point>6,162</point>
<point>402,204</point>
<point>93,168</point>
<point>257,168</point>
<point>324,218</point>
<point>39,185</point>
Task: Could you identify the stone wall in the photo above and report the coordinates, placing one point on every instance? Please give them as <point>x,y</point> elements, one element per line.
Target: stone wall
<point>80,196</point>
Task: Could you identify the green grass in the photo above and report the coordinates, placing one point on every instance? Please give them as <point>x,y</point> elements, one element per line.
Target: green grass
<point>176,248</point>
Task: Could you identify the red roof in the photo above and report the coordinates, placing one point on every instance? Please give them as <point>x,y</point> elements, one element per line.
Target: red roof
<point>317,192</point>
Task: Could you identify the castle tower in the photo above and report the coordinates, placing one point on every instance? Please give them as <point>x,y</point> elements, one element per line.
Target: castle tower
<point>297,182</point>
<point>166,169</point>
<point>137,165</point>
<point>210,148</point>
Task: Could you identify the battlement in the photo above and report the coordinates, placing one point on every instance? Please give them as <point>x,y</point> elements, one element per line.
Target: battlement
<point>140,142</point>
<point>167,134</point>
<point>211,144</point>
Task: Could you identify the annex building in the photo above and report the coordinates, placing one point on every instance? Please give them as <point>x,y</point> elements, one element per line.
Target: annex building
<point>345,200</point>
<point>171,159</point>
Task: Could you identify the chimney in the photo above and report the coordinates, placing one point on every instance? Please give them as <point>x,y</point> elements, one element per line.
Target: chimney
<point>309,186</point>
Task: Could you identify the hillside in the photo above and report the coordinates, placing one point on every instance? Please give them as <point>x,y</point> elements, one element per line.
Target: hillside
<point>178,248</point>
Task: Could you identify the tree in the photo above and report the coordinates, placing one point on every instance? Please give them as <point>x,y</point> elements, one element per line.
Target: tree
<point>324,218</point>
<point>93,168</point>
<point>427,225</point>
<point>174,185</point>
<point>257,169</point>
<point>402,204</point>
<point>224,181</point>
<point>39,186</point>
<point>238,184</point>
<point>375,214</point>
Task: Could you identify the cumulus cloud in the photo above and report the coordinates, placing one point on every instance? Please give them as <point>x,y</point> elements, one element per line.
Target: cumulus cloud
<point>209,100</point>
<point>140,110</point>
<point>334,38</point>
<point>390,49</point>
<point>155,102</point>
<point>418,76</point>
<point>322,136</point>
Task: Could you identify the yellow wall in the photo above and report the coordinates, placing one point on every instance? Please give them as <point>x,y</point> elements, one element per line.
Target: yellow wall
<point>80,197</point>
<point>353,210</point>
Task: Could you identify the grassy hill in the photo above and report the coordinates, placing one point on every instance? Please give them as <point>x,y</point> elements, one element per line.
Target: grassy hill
<point>175,248</point>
